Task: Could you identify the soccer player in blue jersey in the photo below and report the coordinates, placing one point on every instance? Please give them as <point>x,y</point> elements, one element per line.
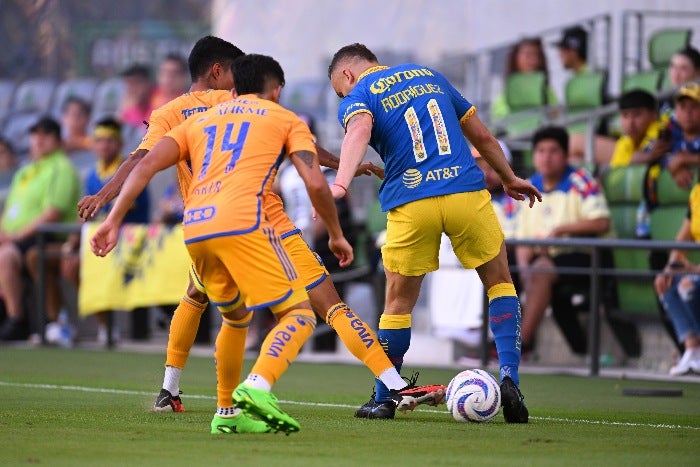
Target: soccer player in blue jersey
<point>413,117</point>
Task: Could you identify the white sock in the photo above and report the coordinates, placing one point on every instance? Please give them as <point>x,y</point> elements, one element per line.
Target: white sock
<point>392,379</point>
<point>171,380</point>
<point>228,412</point>
<point>258,382</point>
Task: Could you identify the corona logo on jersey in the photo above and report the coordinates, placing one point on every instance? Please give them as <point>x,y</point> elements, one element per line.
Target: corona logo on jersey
<point>192,216</point>
<point>413,177</point>
<point>385,83</point>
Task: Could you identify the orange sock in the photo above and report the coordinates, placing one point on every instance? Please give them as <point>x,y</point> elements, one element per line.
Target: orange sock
<point>183,330</point>
<point>228,353</point>
<point>358,337</point>
<point>282,344</point>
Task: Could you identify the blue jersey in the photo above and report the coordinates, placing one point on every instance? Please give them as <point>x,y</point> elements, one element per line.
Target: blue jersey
<point>416,131</point>
<point>98,176</point>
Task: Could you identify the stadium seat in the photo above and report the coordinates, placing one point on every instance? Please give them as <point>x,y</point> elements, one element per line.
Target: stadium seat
<point>83,88</point>
<point>7,87</point>
<point>584,92</point>
<point>647,80</point>
<point>16,130</point>
<point>664,43</point>
<point>33,96</point>
<point>108,96</point>
<point>525,91</point>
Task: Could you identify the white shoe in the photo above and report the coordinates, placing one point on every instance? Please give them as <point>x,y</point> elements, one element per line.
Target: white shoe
<point>690,361</point>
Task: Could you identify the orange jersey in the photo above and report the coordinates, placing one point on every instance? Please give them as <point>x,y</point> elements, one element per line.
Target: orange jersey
<point>173,113</point>
<point>276,215</point>
<point>235,149</point>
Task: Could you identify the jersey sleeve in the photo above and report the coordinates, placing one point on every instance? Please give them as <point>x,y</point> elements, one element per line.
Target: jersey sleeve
<point>179,134</point>
<point>593,203</point>
<point>350,106</point>
<point>158,126</point>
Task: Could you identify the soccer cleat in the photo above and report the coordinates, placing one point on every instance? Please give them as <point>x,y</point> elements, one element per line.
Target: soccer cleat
<point>166,402</point>
<point>263,404</point>
<point>411,396</point>
<point>513,402</point>
<point>377,410</point>
<point>240,423</point>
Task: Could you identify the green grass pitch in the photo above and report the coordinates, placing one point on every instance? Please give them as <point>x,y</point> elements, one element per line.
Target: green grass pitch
<point>81,407</point>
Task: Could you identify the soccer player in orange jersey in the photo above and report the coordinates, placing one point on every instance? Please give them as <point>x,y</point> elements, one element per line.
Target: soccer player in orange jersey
<point>234,150</point>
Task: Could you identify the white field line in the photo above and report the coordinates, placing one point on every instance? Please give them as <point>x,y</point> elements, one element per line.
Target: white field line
<point>340,406</point>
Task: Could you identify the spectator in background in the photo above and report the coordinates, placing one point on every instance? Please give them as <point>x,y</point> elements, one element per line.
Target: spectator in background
<point>8,157</point>
<point>684,67</point>
<point>172,80</point>
<point>526,56</point>
<point>684,157</point>
<point>573,49</point>
<point>572,205</point>
<point>75,117</point>
<point>680,294</point>
<point>44,190</point>
<point>136,106</point>
<point>644,140</point>
<point>107,147</point>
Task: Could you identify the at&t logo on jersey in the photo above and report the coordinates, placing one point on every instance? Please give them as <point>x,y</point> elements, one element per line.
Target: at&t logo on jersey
<point>192,216</point>
<point>413,177</point>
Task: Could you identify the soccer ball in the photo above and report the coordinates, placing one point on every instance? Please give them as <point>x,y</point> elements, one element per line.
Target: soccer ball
<point>473,396</point>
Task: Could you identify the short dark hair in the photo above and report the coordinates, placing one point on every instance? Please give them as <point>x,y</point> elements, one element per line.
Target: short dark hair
<point>349,51</point>
<point>637,99</point>
<point>137,70</point>
<point>210,50</point>
<point>556,133</point>
<point>178,59</point>
<point>46,124</point>
<point>691,54</point>
<point>252,72</point>
<point>79,101</point>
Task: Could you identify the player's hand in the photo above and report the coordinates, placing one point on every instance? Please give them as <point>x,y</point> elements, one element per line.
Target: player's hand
<point>104,239</point>
<point>684,177</point>
<point>520,189</point>
<point>342,250</point>
<point>89,205</point>
<point>367,168</point>
<point>662,283</point>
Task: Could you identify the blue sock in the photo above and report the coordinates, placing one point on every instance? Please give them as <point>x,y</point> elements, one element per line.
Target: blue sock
<point>504,317</point>
<point>395,342</point>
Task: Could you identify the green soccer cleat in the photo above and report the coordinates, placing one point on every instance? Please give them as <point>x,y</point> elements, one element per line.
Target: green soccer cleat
<point>240,423</point>
<point>263,404</point>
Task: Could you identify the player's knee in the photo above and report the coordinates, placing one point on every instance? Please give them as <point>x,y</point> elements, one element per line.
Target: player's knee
<point>195,294</point>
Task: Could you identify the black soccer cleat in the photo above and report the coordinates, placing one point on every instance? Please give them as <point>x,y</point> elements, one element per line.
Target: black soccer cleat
<point>166,402</point>
<point>513,402</point>
<point>377,410</point>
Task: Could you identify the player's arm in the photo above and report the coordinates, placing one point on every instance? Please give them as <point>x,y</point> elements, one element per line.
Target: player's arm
<point>306,164</point>
<point>358,132</point>
<point>330,160</point>
<point>484,142</point>
<point>89,205</point>
<point>162,156</point>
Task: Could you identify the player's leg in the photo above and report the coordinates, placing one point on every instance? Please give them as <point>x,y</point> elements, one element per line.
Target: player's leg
<point>210,273</point>
<point>411,251</point>
<point>183,330</point>
<point>264,272</point>
<point>477,240</point>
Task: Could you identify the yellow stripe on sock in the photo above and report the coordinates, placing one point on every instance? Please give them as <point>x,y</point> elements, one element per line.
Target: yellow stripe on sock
<point>504,289</point>
<point>395,321</point>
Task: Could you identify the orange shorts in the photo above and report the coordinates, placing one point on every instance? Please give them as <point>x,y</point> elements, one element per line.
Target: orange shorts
<point>307,263</point>
<point>252,268</point>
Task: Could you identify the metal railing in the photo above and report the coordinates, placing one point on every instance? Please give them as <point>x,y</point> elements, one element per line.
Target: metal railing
<point>596,271</point>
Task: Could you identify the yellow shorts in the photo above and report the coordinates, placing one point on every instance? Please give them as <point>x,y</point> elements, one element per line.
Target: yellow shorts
<point>307,263</point>
<point>414,230</point>
<point>251,268</point>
